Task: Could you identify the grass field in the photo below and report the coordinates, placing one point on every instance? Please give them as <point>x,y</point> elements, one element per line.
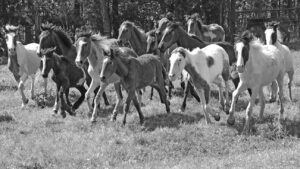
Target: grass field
<point>31,138</point>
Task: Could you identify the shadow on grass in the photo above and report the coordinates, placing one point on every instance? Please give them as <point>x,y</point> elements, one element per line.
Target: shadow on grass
<point>172,120</point>
<point>10,88</point>
<point>5,117</point>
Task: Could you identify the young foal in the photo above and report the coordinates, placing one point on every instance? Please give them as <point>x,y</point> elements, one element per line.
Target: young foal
<point>273,37</point>
<point>135,74</point>
<point>22,61</point>
<point>205,66</point>
<point>258,65</point>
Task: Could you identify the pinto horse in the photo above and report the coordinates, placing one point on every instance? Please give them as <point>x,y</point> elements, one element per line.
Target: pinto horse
<point>205,66</point>
<point>22,61</point>
<point>210,33</point>
<point>273,37</point>
<point>258,65</point>
<point>174,34</point>
<point>54,36</point>
<point>135,74</point>
<point>93,48</point>
<point>65,75</point>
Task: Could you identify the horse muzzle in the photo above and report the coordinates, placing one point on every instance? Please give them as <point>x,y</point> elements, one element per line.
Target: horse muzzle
<point>240,68</point>
<point>103,79</point>
<point>12,51</point>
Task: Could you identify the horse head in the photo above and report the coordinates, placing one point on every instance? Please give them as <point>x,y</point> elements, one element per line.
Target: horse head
<point>177,62</point>
<point>109,65</point>
<point>11,35</point>
<point>46,39</point>
<point>47,61</point>
<point>83,47</point>
<point>272,33</point>
<point>169,37</point>
<point>152,45</point>
<point>242,48</point>
<point>125,31</point>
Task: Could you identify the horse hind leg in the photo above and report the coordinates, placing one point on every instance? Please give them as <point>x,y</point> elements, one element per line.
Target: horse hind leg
<point>138,108</point>
<point>273,90</point>
<point>262,103</point>
<point>291,77</point>
<point>247,126</point>
<point>163,96</point>
<point>32,86</point>
<point>82,91</point>
<point>97,101</point>
<point>119,101</point>
<point>21,89</point>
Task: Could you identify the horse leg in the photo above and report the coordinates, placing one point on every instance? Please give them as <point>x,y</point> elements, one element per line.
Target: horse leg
<point>119,100</point>
<point>130,96</point>
<point>138,108</point>
<point>280,95</point>
<point>193,92</point>
<point>186,93</point>
<point>106,102</point>
<point>62,103</point>
<point>241,87</point>
<point>97,101</point>
<point>204,104</point>
<point>82,91</point>
<point>21,89</point>
<point>262,103</point>
<point>249,109</point>
<point>66,102</point>
<point>139,97</point>
<point>57,102</point>
<point>171,86</point>
<point>32,86</point>
<point>218,82</point>
<point>45,87</point>
<point>91,88</point>
<point>66,91</point>
<point>291,76</point>
<point>151,93</point>
<point>273,91</point>
<point>163,96</point>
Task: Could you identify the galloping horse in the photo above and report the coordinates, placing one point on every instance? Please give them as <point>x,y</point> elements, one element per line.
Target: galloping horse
<point>65,75</point>
<point>258,65</point>
<point>210,33</point>
<point>135,74</point>
<point>273,37</point>
<point>52,36</point>
<point>22,61</point>
<point>137,38</point>
<point>92,48</point>
<point>174,34</point>
<point>205,66</point>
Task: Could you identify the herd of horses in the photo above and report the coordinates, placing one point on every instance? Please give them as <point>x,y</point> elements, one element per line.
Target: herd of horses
<point>198,57</point>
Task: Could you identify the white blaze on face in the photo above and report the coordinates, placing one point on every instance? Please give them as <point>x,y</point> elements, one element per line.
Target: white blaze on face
<point>268,34</point>
<point>189,26</point>
<point>104,62</point>
<point>44,63</point>
<point>176,65</point>
<point>80,44</point>
<point>239,48</point>
<point>10,41</point>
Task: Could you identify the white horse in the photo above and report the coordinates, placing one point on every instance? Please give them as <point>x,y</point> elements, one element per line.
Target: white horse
<point>22,61</point>
<point>205,66</point>
<point>258,65</point>
<point>274,37</point>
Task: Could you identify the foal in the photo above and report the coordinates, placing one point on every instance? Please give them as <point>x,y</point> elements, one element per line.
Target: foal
<point>205,66</point>
<point>66,75</point>
<point>135,74</point>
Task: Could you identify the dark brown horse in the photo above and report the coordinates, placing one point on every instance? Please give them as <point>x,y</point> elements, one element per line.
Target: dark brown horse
<point>54,36</point>
<point>135,74</point>
<point>65,75</point>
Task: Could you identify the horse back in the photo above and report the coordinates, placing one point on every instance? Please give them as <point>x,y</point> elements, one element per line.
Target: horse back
<point>229,50</point>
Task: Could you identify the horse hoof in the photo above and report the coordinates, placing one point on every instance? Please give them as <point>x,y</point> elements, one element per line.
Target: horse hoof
<point>54,111</point>
<point>93,120</point>
<point>217,117</point>
<point>106,103</point>
<point>227,112</point>
<point>231,121</point>
<point>26,101</point>
<point>181,110</point>
<point>63,114</point>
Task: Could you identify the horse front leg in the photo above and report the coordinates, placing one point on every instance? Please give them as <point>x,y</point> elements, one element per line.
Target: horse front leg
<point>138,108</point>
<point>249,109</point>
<point>163,96</point>
<point>45,87</point>
<point>119,101</point>
<point>21,89</point>
<point>291,77</point>
<point>241,87</point>
<point>262,103</point>
<point>82,91</point>
<point>66,102</point>
<point>130,96</point>
<point>280,95</point>
<point>57,102</point>
<point>91,89</point>
<point>32,86</point>
<point>97,101</point>
<point>273,92</point>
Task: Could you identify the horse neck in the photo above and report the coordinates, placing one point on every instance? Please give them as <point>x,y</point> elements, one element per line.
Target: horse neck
<point>96,55</point>
<point>138,42</point>
<point>57,62</point>
<point>21,52</point>
<point>122,69</point>
<point>68,52</point>
<point>187,41</point>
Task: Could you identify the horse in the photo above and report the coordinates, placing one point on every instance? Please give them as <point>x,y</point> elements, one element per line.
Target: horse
<point>174,34</point>
<point>258,65</point>
<point>273,37</point>
<point>22,61</point>
<point>135,74</point>
<point>93,48</point>
<point>65,75</point>
<point>210,33</point>
<point>54,36</point>
<point>137,38</point>
<point>205,66</point>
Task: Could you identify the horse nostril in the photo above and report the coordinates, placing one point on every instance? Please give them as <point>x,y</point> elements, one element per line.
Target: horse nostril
<point>102,78</point>
<point>44,75</point>
<point>78,63</point>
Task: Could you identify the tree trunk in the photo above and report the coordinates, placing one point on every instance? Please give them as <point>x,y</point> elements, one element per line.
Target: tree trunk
<point>104,6</point>
<point>232,20</point>
<point>115,20</point>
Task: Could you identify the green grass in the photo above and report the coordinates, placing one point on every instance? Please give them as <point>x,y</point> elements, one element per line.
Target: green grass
<point>32,138</point>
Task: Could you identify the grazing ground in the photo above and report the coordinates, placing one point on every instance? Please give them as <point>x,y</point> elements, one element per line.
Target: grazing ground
<point>31,138</point>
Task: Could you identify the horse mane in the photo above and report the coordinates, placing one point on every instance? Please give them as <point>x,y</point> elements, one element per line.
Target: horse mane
<point>66,40</point>
<point>173,25</point>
